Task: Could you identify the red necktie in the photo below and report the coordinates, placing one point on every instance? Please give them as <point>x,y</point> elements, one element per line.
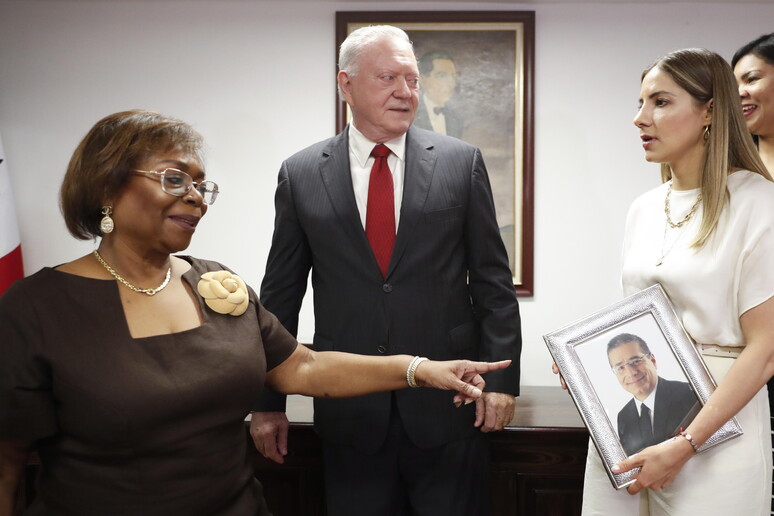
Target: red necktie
<point>380,210</point>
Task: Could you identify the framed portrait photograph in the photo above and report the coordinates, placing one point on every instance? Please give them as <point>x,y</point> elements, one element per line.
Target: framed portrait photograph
<point>635,376</point>
<point>476,84</point>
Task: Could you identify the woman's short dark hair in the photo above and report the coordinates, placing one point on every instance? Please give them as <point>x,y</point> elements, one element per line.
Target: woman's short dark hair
<point>763,47</point>
<point>102,163</point>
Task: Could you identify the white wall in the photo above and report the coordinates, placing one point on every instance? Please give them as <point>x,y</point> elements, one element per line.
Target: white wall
<point>257,79</point>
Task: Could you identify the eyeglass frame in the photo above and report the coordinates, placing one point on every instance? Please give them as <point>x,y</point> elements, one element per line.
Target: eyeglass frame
<point>639,359</point>
<point>192,184</point>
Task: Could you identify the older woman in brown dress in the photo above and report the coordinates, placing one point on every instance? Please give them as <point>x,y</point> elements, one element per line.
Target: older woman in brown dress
<point>130,370</point>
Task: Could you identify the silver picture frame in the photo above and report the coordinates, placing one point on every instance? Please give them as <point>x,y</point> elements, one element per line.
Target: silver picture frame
<point>581,354</point>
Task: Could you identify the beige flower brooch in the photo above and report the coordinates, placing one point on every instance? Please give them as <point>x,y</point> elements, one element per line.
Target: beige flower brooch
<point>224,292</point>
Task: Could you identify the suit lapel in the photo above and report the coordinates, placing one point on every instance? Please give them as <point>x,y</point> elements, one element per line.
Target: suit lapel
<point>663,406</point>
<point>632,420</point>
<point>418,174</point>
<point>337,178</point>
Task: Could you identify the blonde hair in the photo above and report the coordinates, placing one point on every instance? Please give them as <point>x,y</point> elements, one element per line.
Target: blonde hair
<point>708,77</point>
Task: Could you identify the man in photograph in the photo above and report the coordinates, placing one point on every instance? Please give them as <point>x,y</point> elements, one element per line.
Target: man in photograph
<point>659,407</point>
<point>438,77</point>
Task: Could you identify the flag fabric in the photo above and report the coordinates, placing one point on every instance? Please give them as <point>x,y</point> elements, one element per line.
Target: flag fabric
<point>11,267</point>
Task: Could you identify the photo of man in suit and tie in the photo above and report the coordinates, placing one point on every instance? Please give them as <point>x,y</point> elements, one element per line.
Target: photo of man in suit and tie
<point>438,77</point>
<point>659,407</point>
<point>397,226</point>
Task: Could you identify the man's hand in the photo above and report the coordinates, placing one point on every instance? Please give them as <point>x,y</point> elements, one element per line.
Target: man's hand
<point>494,410</point>
<point>269,431</point>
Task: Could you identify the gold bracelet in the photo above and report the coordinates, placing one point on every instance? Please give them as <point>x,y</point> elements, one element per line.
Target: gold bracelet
<point>411,370</point>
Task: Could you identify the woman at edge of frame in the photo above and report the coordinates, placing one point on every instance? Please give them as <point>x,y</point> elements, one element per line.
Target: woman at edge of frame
<point>753,66</point>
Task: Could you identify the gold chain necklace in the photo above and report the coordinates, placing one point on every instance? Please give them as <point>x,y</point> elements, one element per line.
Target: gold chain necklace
<point>149,291</point>
<point>674,225</point>
<point>687,217</point>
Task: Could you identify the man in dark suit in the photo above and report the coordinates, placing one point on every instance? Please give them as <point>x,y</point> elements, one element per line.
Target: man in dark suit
<point>659,408</point>
<point>424,272</point>
<point>436,112</point>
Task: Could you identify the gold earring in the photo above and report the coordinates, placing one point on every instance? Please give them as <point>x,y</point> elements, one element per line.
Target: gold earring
<point>706,133</point>
<point>106,225</point>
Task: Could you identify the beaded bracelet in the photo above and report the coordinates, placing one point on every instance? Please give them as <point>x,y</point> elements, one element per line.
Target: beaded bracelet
<point>411,370</point>
<point>689,438</point>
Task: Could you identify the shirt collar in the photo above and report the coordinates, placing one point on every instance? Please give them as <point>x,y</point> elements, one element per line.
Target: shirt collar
<point>361,146</point>
<point>429,104</point>
<point>650,401</point>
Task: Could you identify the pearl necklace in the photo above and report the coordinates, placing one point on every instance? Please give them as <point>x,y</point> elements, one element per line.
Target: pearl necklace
<point>149,291</point>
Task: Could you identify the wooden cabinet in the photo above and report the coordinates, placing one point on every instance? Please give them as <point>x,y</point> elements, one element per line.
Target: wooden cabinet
<point>537,462</point>
<point>538,472</point>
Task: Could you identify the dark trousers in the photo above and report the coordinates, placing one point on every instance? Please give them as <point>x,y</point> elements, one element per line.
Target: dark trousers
<point>403,480</point>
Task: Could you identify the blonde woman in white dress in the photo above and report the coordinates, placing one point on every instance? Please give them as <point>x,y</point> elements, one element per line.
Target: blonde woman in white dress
<point>707,236</point>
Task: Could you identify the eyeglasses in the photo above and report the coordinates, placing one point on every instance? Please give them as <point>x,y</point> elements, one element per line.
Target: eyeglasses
<point>178,183</point>
<point>632,362</point>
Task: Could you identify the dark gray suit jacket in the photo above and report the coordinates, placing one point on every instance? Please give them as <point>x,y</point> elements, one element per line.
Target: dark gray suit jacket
<point>675,406</point>
<point>448,292</point>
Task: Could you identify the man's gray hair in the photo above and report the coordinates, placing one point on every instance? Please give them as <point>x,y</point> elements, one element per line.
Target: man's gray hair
<point>353,45</point>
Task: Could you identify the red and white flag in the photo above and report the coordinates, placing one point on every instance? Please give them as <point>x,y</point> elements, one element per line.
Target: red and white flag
<point>11,267</point>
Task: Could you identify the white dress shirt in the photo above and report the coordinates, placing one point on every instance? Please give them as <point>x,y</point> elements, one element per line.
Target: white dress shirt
<point>361,161</point>
<point>649,402</point>
<point>437,120</point>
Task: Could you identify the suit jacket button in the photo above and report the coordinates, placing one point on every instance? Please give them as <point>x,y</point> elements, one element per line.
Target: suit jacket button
<point>387,287</point>
<point>381,349</point>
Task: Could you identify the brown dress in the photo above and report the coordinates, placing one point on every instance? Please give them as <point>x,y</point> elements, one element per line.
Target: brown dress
<point>125,426</point>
